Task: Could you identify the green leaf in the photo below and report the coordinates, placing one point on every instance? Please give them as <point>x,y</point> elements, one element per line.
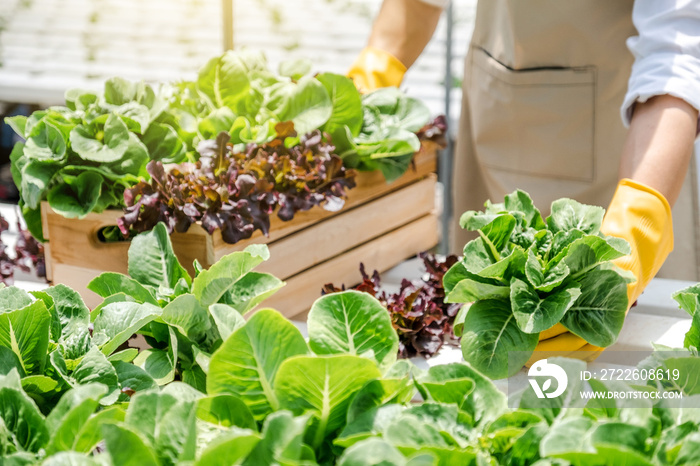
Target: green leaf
<point>79,99</point>
<point>146,410</point>
<point>110,283</point>
<point>17,123</point>
<point>120,91</point>
<point>77,196</point>
<point>412,113</point>
<point>17,163</point>
<point>44,390</point>
<point>370,452</point>
<point>164,144</point>
<point>160,364</point>
<point>136,116</point>
<point>295,68</point>
<point>72,313</point>
<point>490,334</point>
<point>70,415</point>
<point>9,361</point>
<point>537,277</point>
<point>36,177</point>
<point>224,81</point>
<point>520,201</point>
<point>692,337</point>
<point>111,149</point>
<point>13,298</point>
<point>45,141</point>
<point>282,440</point>
<point>32,218</point>
<point>589,251</point>
<point>688,299</point>
<point>176,435</point>
<point>118,321</point>
<point>226,318</point>
<point>323,385</point>
<point>185,314</point>
<point>569,435</point>
<point>378,393</point>
<point>220,119</point>
<point>228,448</point>
<point>134,160</point>
<point>347,107</point>
<point>568,214</point>
<point>126,448</point>
<point>497,229</point>
<point>95,367</point>
<point>251,290</point>
<point>448,391</point>
<point>305,103</point>
<point>152,261</point>
<point>372,422</point>
<point>482,261</point>
<point>247,363</point>
<point>133,377</point>
<point>687,369</point>
<point>352,322</point>
<point>211,284</point>
<point>26,332</point>
<point>534,314</point>
<point>475,288</point>
<point>225,411</point>
<point>598,314</point>
<point>458,324</point>
<point>21,417</point>
<point>69,458</point>
<point>485,403</point>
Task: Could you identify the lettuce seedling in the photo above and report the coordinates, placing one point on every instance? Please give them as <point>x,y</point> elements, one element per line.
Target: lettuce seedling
<point>525,274</point>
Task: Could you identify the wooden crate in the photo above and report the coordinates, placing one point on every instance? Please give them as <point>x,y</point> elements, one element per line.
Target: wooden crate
<point>375,216</point>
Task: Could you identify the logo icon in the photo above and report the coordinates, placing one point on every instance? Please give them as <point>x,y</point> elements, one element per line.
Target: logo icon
<point>542,368</point>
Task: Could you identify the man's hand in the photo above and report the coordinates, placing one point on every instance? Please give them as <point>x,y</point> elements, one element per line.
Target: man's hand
<point>400,33</point>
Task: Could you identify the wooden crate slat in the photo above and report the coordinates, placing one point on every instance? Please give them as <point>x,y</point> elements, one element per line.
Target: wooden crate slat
<point>381,254</point>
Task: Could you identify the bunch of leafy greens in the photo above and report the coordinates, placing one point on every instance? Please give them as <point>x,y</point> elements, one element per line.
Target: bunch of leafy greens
<point>82,156</point>
<point>237,93</point>
<point>387,139</point>
<point>237,192</point>
<point>525,274</point>
<point>194,314</point>
<point>266,395</point>
<point>421,317</point>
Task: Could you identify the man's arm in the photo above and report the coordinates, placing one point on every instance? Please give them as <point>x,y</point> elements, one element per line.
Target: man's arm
<point>400,32</point>
<point>659,144</point>
<point>403,28</point>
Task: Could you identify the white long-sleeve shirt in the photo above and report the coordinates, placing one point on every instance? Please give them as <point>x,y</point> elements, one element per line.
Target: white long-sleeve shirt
<point>666,51</point>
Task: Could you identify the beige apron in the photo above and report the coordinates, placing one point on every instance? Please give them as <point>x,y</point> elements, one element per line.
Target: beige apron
<point>544,82</point>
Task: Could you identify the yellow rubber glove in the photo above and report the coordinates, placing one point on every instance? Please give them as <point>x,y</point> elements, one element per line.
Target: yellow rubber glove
<point>375,68</point>
<point>641,215</point>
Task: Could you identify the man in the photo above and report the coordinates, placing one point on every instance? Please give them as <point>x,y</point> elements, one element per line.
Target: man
<point>544,83</point>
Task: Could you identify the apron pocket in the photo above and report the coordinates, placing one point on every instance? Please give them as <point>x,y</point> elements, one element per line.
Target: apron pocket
<point>536,121</point>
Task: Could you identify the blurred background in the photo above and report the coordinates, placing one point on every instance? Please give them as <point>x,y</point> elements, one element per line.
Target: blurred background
<point>48,46</point>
